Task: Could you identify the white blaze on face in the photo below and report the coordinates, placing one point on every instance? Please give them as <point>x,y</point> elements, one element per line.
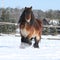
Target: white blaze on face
<point>24,32</point>
<point>28,20</point>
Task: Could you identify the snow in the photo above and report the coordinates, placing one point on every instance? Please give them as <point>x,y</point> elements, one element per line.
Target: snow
<point>10,49</point>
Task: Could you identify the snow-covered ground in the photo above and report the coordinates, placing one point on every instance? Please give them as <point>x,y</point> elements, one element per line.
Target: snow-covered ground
<point>10,48</point>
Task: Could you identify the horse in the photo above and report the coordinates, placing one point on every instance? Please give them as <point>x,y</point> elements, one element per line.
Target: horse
<point>30,27</point>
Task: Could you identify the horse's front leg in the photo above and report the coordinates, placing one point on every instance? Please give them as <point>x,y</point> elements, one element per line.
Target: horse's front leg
<point>26,40</point>
<point>36,44</point>
<point>23,39</point>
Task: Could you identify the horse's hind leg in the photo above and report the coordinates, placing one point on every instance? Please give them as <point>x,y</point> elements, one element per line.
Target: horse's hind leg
<point>36,43</point>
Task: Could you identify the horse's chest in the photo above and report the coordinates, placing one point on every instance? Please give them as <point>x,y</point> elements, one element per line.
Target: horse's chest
<point>24,32</point>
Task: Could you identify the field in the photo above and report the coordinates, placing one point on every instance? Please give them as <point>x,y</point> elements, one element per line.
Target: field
<point>10,48</point>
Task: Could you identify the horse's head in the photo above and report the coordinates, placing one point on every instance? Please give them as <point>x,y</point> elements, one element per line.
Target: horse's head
<point>28,13</point>
<point>27,16</point>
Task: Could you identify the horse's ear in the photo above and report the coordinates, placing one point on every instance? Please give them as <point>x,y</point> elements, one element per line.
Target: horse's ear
<point>25,7</point>
<point>31,7</point>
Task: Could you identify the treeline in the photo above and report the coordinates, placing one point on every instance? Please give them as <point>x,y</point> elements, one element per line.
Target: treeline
<point>6,16</point>
<point>12,15</point>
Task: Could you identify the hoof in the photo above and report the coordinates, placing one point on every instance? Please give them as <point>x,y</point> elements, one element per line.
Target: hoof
<point>36,46</point>
<point>27,41</point>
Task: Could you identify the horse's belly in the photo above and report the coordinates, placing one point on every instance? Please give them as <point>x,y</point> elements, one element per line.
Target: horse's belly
<point>24,32</point>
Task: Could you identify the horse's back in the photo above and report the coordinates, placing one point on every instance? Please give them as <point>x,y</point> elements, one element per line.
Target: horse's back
<point>39,22</point>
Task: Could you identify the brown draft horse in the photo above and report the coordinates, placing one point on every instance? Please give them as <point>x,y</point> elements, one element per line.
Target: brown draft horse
<point>30,28</point>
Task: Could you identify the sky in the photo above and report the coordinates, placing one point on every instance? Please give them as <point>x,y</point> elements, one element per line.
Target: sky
<point>36,4</point>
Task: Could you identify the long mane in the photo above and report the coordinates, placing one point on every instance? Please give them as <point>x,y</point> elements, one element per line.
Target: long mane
<point>22,17</point>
